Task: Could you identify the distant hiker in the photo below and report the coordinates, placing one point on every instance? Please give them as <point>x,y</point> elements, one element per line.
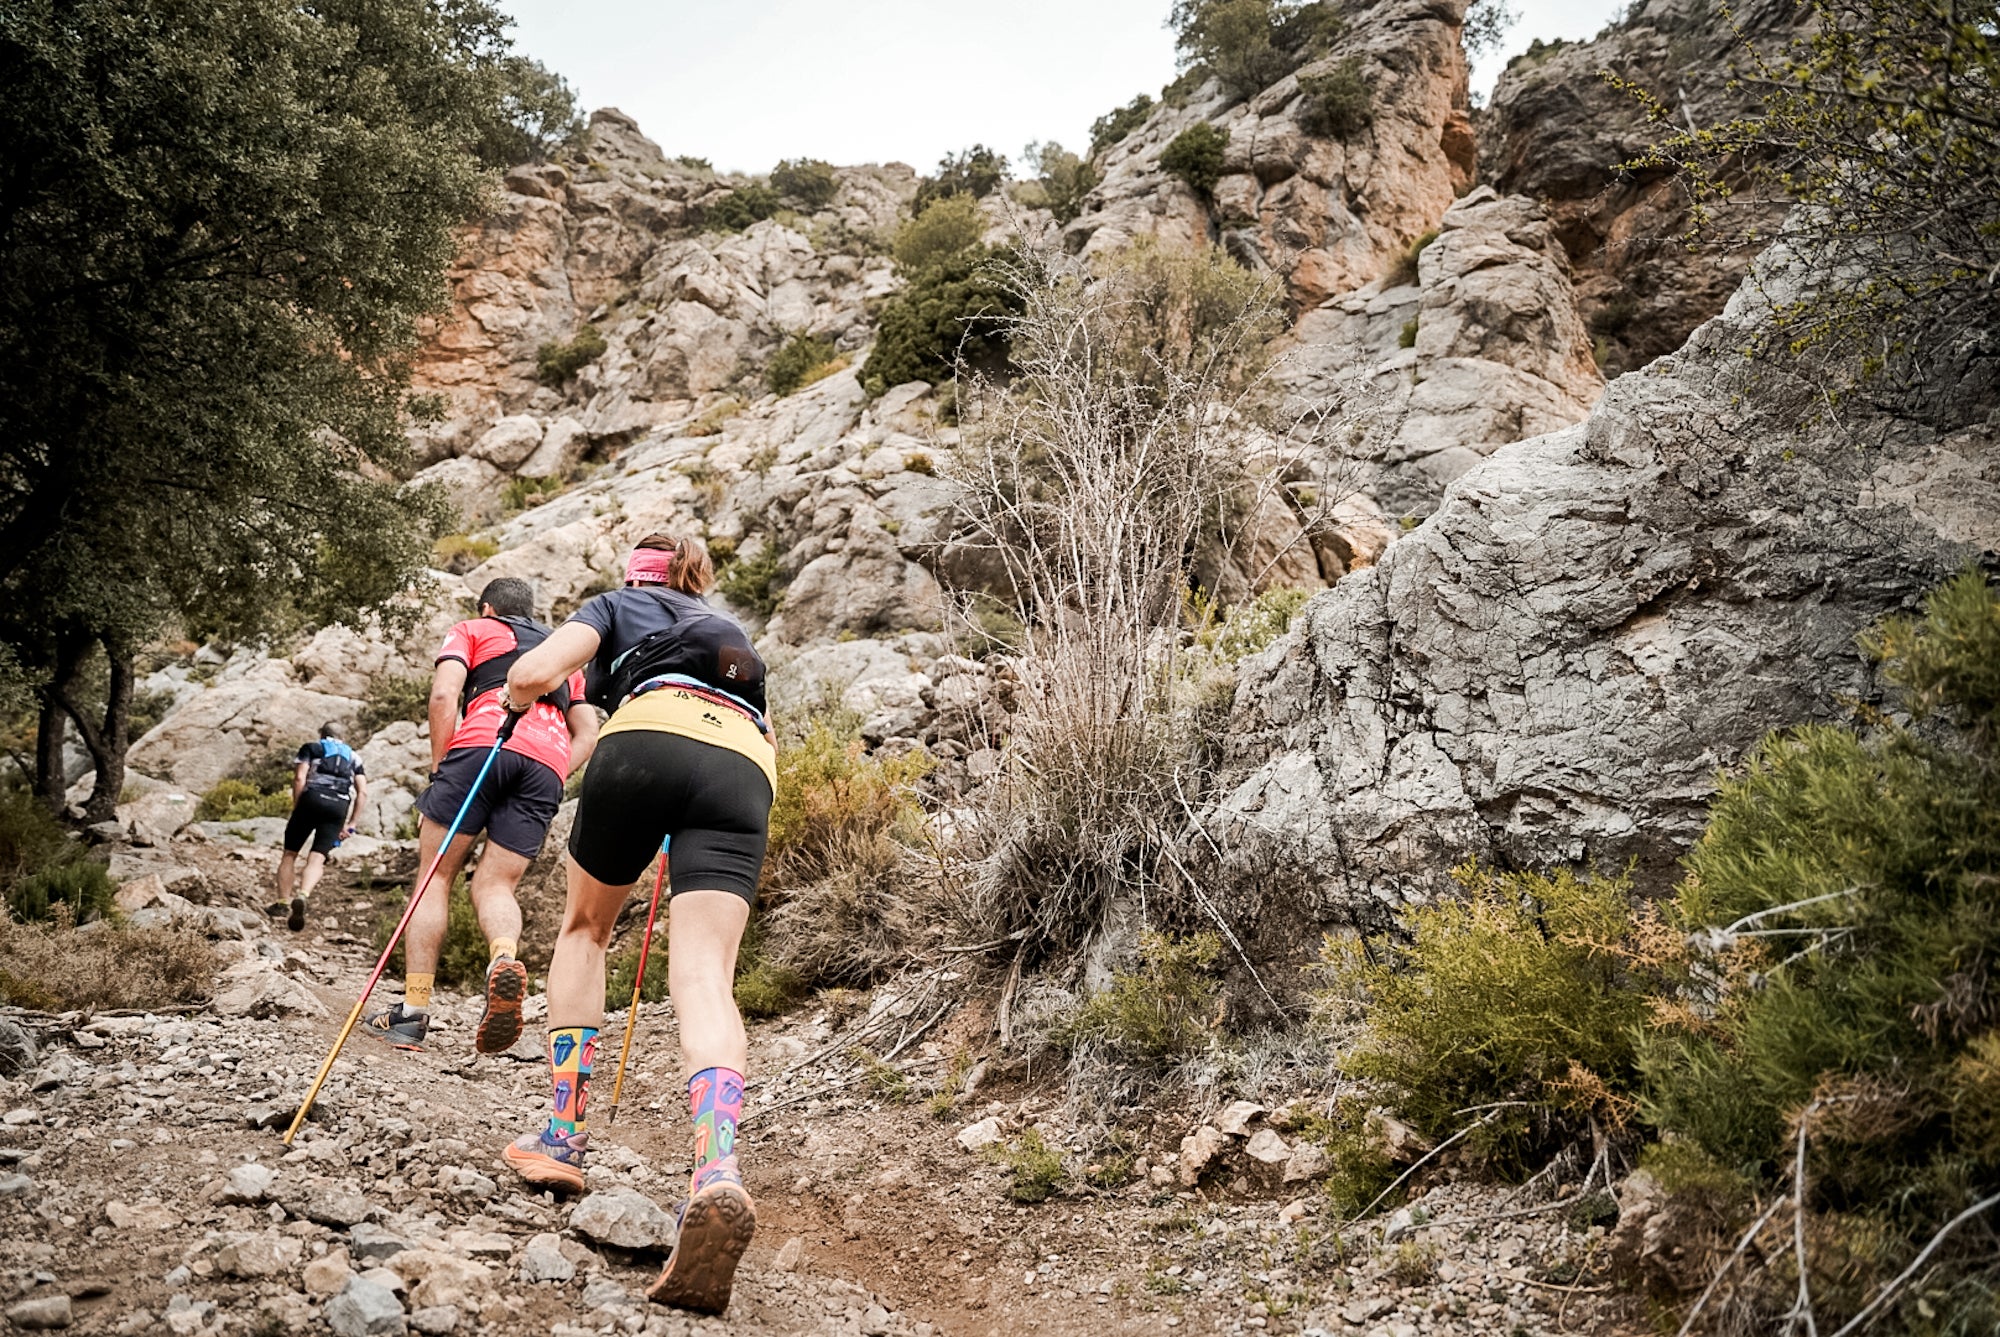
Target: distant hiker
<point>328,793</point>
<point>514,807</point>
<point>687,754</point>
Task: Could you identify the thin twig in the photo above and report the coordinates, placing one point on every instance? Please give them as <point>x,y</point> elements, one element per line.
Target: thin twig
<point>1802,1305</point>
<point>1475,1124</point>
<point>1866,1316</point>
<point>918,1033</point>
<point>1741,1245</point>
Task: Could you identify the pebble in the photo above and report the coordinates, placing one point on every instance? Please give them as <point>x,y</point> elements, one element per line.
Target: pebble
<point>372,1244</point>
<point>325,1276</point>
<point>435,1319</point>
<point>365,1309</point>
<point>543,1260</point>
<point>16,1186</point>
<point>979,1136</point>
<point>40,1313</point>
<point>625,1219</point>
<point>337,1206</point>
<point>248,1184</point>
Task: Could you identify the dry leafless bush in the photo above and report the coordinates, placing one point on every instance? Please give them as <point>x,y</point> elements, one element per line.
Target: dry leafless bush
<point>54,967</point>
<point>1132,463</point>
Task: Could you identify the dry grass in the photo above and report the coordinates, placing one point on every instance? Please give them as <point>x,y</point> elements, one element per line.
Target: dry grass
<point>54,967</point>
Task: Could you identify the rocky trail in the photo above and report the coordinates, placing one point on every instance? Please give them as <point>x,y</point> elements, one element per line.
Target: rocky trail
<point>147,1188</point>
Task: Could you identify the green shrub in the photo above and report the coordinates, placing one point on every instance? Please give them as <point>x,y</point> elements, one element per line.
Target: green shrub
<point>950,313</point>
<point>1034,1170</point>
<point>799,361</point>
<point>621,971</point>
<point>754,582</point>
<point>1119,122</point>
<point>556,361</point>
<point>743,206</point>
<point>1195,156</point>
<point>694,164</point>
<point>521,494</point>
<point>832,794</point>
<point>1164,1010</point>
<point>31,838</point>
<point>147,710</point>
<point>237,800</point>
<point>1844,897</point>
<point>763,988</point>
<point>1532,988</point>
<point>939,234</point>
<point>1338,104</point>
<point>84,885</point>
<point>1407,338</point>
<point>711,419</point>
<point>458,553</point>
<point>1063,178</point>
<point>885,1081</point>
<point>392,698</point>
<point>976,172</point>
<point>1404,269</point>
<point>463,959</point>
<point>1251,44</point>
<point>1243,631</point>
<point>806,182</point>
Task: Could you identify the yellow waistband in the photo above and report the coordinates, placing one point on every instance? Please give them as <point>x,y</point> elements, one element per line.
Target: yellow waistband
<point>671,710</point>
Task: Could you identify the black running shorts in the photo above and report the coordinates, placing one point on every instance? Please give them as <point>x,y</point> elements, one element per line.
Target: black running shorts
<point>318,818</point>
<point>644,785</point>
<point>514,805</point>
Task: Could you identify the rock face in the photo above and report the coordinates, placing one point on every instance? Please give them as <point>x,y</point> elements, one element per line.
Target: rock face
<point>1552,668</point>
<point>1557,129</point>
<point>1485,348</point>
<point>1326,214</point>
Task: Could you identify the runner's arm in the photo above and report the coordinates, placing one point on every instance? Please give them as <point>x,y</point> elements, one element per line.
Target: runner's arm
<point>541,670</point>
<point>360,801</point>
<point>447,681</point>
<point>582,721</point>
<point>299,779</point>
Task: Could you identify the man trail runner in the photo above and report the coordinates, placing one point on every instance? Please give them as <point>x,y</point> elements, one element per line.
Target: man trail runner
<point>328,793</point>
<point>687,754</point>
<point>514,807</point>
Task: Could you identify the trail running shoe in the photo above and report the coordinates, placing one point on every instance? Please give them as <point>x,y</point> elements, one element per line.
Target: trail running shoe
<point>395,1027</point>
<point>500,1023</point>
<point>556,1164</point>
<point>297,919</point>
<point>715,1228</point>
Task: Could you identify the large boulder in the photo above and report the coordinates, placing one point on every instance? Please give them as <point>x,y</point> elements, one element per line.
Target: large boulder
<point>1551,669</point>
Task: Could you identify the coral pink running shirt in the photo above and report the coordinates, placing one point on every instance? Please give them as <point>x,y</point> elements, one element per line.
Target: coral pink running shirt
<point>542,733</point>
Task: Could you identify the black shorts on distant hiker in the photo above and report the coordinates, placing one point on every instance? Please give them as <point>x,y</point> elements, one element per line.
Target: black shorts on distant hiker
<point>329,789</point>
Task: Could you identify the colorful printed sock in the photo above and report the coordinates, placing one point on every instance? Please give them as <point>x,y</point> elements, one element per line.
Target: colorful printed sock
<point>498,948</point>
<point>715,1099</point>
<point>417,992</point>
<point>571,1050</point>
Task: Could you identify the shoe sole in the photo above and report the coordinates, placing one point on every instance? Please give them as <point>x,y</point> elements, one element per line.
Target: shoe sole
<point>297,919</point>
<point>543,1170</point>
<point>500,1023</point>
<point>715,1231</point>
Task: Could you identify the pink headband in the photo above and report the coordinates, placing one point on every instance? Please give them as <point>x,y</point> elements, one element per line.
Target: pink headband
<point>649,564</point>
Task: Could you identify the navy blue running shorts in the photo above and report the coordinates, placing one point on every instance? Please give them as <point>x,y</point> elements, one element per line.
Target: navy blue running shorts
<point>513,807</point>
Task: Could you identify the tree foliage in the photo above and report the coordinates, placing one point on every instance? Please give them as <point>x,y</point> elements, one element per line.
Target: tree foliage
<point>1062,178</point>
<point>221,224</point>
<point>1116,124</point>
<point>1337,103</point>
<point>1251,44</point>
<point>952,308</point>
<point>1195,156</point>
<point>978,172</point>
<point>1883,124</point>
<point>806,182</point>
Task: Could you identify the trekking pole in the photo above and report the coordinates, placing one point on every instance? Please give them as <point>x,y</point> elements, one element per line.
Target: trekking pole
<point>506,732</point>
<point>638,981</point>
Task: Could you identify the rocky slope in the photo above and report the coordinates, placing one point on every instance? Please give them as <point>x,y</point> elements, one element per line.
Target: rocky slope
<point>1551,669</point>
<point>1557,129</point>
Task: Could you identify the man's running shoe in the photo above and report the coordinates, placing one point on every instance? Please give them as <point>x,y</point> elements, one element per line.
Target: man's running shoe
<point>715,1228</point>
<point>500,1023</point>
<point>297,919</point>
<point>556,1163</point>
<point>403,1030</point>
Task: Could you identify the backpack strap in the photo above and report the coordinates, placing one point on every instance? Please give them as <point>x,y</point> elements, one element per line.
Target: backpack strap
<point>488,674</point>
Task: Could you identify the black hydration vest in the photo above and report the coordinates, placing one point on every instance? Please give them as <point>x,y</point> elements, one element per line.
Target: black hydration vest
<point>332,772</point>
<point>491,673</point>
<point>701,644</point>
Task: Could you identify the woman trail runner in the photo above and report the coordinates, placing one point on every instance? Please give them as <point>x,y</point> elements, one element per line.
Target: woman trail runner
<point>687,754</point>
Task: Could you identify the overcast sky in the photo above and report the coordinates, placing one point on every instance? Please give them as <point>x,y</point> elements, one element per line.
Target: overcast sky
<point>747,83</point>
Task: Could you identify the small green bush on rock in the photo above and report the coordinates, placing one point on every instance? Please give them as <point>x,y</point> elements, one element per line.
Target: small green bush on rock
<point>1338,104</point>
<point>752,203</point>
<point>977,172</point>
<point>1162,1011</point>
<point>556,361</point>
<point>806,182</point>
<point>800,361</point>
<point>1195,156</point>
<point>1119,122</point>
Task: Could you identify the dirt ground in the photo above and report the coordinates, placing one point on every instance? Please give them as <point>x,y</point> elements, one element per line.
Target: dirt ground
<point>122,1184</point>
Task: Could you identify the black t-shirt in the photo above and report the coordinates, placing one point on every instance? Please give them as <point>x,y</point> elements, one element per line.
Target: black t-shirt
<point>712,646</point>
<point>332,768</point>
